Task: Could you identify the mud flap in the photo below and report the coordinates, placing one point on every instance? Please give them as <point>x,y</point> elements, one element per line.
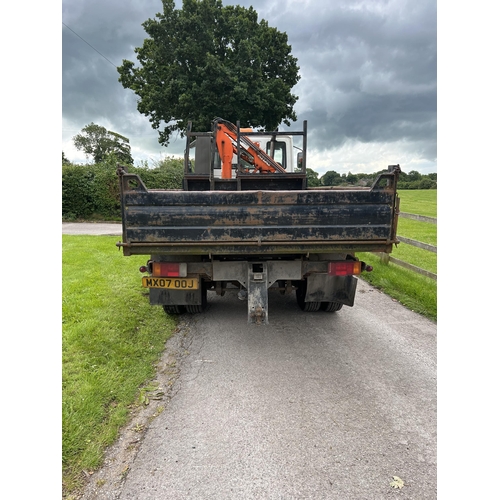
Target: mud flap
<point>326,288</point>
<point>161,296</point>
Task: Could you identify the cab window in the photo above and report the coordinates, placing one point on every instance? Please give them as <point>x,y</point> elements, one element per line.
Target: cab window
<point>279,152</point>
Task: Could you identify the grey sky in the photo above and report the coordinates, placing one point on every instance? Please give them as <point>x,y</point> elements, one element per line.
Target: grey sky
<point>367,88</point>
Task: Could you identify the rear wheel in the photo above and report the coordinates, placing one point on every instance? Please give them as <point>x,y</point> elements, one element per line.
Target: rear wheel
<point>300,293</point>
<point>331,306</point>
<point>173,309</point>
<point>199,308</point>
<point>312,306</point>
<point>194,309</point>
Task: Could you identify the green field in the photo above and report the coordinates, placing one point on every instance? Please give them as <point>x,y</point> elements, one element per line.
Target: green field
<point>419,201</point>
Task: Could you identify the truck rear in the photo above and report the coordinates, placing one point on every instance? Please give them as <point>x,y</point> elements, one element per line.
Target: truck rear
<point>246,220</point>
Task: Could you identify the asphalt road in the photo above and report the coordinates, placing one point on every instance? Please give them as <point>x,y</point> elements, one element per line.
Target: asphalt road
<point>311,406</point>
<point>91,228</point>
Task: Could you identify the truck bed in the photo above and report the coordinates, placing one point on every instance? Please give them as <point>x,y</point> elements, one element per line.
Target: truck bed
<point>258,222</point>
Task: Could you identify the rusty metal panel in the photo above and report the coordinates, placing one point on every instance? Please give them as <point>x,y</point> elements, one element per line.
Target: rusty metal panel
<point>254,248</point>
<point>202,222</point>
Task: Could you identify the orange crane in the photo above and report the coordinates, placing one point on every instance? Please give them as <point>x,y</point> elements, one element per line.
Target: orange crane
<point>226,139</point>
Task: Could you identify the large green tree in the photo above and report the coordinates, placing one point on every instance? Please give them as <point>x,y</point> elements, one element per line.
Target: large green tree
<point>207,60</point>
<point>312,178</point>
<point>99,143</point>
<point>331,178</point>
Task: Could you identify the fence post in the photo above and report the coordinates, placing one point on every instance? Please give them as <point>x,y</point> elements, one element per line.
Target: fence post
<point>384,258</point>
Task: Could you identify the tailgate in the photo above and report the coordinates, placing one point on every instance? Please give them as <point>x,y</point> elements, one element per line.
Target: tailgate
<point>257,222</point>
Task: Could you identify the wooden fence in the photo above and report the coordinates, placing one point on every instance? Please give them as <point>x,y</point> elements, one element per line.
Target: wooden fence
<point>430,248</point>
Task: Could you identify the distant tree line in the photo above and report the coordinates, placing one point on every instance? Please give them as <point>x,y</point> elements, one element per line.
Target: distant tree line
<point>410,180</point>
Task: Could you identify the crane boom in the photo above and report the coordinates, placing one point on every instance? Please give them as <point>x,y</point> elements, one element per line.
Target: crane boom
<point>226,138</point>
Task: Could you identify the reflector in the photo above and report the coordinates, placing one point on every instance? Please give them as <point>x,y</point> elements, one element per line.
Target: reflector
<point>344,268</point>
<point>170,269</point>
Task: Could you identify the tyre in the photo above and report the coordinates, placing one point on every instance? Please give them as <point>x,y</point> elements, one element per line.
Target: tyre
<point>300,293</point>
<point>173,309</point>
<point>196,309</point>
<point>331,306</point>
<point>311,306</point>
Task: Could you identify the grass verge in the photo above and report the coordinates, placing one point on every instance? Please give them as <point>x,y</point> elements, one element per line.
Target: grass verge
<point>111,341</point>
<point>414,291</point>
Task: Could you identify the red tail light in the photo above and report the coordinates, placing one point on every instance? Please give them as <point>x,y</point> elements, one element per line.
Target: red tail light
<point>344,268</point>
<point>169,269</point>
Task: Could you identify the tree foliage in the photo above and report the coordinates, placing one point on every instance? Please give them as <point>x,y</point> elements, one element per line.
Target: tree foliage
<point>65,160</point>
<point>312,178</point>
<point>99,143</point>
<point>410,180</point>
<point>331,178</point>
<point>413,176</point>
<point>208,60</point>
<point>92,191</point>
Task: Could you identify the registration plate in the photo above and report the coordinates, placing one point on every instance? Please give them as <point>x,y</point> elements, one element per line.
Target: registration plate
<point>172,283</point>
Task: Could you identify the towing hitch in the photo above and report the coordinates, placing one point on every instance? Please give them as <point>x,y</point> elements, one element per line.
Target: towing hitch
<point>257,293</point>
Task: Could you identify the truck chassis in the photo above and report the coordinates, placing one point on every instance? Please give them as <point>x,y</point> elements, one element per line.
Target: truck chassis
<point>256,232</point>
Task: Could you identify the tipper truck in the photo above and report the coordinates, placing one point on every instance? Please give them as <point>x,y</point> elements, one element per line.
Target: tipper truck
<point>245,219</point>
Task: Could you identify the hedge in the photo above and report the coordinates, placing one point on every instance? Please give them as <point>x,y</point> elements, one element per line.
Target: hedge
<point>92,192</point>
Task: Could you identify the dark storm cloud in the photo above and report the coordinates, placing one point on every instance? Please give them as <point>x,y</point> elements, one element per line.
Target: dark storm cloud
<point>96,37</point>
<point>90,55</point>
<point>368,71</point>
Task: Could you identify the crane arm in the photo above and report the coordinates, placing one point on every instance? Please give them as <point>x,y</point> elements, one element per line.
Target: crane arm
<point>226,136</point>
